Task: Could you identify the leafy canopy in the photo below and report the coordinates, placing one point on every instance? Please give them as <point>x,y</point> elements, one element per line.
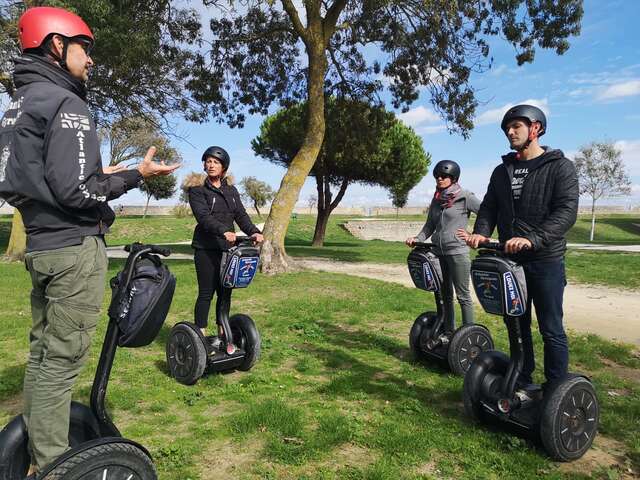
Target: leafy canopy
<point>255,57</point>
<point>363,143</point>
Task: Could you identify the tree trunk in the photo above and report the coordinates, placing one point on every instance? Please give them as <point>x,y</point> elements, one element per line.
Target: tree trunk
<point>321,227</point>
<point>593,219</point>
<point>273,257</point>
<point>18,239</point>
<point>255,205</point>
<point>144,214</point>
<point>325,208</point>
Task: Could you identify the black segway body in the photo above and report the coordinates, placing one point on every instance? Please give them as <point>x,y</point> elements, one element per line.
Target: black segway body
<point>97,450</point>
<point>565,415</point>
<point>428,338</point>
<point>189,353</point>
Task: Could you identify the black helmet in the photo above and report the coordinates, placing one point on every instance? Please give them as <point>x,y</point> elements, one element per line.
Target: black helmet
<point>528,112</point>
<point>447,167</point>
<point>219,153</point>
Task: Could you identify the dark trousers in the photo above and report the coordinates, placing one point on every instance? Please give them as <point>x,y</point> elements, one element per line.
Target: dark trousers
<point>208,273</point>
<point>545,285</point>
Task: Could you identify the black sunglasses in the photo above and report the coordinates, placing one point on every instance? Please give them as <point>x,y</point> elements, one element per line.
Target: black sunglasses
<point>86,45</point>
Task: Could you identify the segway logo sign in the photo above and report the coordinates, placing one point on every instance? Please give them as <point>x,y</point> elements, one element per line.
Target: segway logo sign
<point>487,287</point>
<point>247,267</point>
<point>429,280</point>
<point>512,297</point>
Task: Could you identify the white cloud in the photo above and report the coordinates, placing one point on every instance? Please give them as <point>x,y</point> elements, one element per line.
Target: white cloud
<point>419,115</point>
<point>427,130</point>
<point>630,155</point>
<point>495,115</point>
<point>620,90</point>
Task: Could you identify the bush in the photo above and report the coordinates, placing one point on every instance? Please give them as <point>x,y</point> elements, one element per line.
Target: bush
<point>182,210</point>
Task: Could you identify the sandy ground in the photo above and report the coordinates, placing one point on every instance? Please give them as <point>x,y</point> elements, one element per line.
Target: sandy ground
<point>610,313</point>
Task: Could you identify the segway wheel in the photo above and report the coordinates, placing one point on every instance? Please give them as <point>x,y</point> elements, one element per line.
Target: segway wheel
<point>466,344</point>
<point>113,461</point>
<point>246,337</point>
<point>569,420</point>
<point>421,326</point>
<point>484,376</point>
<point>186,354</point>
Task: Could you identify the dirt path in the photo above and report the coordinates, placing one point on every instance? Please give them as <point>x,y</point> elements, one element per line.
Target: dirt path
<point>610,313</point>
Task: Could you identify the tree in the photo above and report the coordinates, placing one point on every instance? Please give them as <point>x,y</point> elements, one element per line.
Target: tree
<point>160,187</point>
<point>143,56</point>
<point>375,149</point>
<point>257,192</point>
<point>601,173</point>
<point>312,201</point>
<point>255,61</point>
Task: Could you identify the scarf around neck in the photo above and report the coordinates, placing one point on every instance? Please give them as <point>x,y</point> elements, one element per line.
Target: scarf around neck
<point>447,196</point>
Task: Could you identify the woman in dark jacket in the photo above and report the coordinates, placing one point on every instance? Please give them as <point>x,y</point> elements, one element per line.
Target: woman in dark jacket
<point>216,205</point>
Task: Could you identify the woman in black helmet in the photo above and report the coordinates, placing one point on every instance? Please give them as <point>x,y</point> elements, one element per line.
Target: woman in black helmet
<point>448,212</point>
<point>216,205</point>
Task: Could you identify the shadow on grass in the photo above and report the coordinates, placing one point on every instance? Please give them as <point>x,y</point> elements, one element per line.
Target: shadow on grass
<point>5,233</point>
<point>11,380</point>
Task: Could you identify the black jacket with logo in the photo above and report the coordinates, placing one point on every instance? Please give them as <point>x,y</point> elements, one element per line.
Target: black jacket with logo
<point>215,210</point>
<point>547,208</point>
<point>50,164</point>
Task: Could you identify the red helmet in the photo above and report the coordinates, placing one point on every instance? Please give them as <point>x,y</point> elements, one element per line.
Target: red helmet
<point>37,23</point>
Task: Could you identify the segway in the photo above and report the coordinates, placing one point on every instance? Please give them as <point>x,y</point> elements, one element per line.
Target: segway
<point>142,294</point>
<point>428,338</point>
<point>190,353</point>
<point>565,414</point>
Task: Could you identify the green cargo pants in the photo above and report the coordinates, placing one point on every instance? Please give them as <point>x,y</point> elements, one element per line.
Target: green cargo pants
<point>68,288</point>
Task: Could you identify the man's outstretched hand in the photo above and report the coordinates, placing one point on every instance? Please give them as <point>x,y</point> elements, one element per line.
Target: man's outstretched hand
<point>149,168</point>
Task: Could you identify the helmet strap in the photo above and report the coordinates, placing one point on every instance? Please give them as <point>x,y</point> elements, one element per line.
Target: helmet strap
<point>534,128</point>
<point>62,59</point>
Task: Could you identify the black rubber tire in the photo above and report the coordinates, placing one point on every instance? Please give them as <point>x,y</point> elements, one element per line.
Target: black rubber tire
<point>113,461</point>
<point>492,362</point>
<point>423,323</point>
<point>246,337</point>
<point>186,353</point>
<point>466,344</point>
<point>569,419</point>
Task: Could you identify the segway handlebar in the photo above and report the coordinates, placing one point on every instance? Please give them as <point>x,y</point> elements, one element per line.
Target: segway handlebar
<point>140,247</point>
<point>243,240</point>
<point>492,245</point>
<point>424,244</point>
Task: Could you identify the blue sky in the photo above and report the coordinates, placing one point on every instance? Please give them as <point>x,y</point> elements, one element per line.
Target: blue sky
<point>592,92</point>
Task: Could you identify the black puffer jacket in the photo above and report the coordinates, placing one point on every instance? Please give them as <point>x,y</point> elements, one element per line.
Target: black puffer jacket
<point>215,210</point>
<point>547,209</point>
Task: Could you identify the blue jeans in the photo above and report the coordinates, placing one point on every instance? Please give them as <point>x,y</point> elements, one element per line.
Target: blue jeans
<point>545,285</point>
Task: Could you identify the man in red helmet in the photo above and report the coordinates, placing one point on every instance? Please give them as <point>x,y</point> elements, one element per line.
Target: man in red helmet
<point>532,199</point>
<point>51,171</point>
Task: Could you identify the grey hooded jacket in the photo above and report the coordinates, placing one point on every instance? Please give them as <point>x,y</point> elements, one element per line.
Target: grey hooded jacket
<point>442,224</point>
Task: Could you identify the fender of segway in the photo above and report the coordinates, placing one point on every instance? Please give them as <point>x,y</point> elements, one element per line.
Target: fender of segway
<point>14,456</point>
<point>83,447</point>
<point>14,438</point>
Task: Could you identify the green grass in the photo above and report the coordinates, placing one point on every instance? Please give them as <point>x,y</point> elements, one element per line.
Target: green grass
<point>335,395</point>
<point>616,229</point>
<point>594,267</point>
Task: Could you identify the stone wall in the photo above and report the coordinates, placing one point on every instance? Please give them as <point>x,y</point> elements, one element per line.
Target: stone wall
<point>390,231</point>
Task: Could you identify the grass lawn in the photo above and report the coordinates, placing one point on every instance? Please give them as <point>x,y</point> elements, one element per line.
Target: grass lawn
<point>335,395</point>
<point>595,267</point>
